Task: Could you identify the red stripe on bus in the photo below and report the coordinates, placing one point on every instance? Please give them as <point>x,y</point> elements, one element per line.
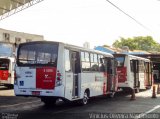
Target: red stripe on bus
<point>122,74</point>
<point>45,77</point>
<point>4,74</point>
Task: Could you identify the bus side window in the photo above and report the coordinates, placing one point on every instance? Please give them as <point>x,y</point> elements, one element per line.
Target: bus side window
<point>67,60</point>
<point>85,60</point>
<point>131,65</point>
<point>101,63</point>
<point>94,62</point>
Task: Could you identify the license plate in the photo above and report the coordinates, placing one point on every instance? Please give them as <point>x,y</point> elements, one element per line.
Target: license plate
<point>36,93</point>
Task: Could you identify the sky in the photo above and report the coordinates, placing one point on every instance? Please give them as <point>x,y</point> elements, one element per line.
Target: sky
<point>94,21</point>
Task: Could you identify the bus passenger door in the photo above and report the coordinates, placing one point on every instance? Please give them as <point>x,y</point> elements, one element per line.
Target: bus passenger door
<point>111,78</point>
<point>148,74</point>
<point>114,73</point>
<point>136,73</point>
<point>75,64</point>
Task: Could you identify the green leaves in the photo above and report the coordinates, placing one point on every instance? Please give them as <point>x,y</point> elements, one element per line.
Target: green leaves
<point>138,43</point>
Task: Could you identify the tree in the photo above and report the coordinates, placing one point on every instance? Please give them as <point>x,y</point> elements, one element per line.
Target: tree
<point>138,43</point>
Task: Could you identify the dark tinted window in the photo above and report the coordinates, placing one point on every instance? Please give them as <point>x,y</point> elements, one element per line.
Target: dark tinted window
<point>4,64</point>
<point>38,54</point>
<point>120,61</point>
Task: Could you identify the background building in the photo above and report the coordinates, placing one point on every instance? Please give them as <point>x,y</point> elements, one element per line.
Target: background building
<point>9,40</point>
<point>18,37</point>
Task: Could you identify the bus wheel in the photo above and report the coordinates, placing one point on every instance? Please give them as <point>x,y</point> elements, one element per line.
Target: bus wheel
<point>137,90</point>
<point>84,101</point>
<point>49,101</point>
<point>111,95</point>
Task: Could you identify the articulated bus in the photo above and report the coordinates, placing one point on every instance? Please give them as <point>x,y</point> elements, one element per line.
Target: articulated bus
<point>7,63</point>
<point>133,72</point>
<point>54,70</point>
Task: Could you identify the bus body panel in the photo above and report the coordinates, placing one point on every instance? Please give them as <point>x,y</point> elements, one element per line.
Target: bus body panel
<point>68,85</point>
<point>93,81</point>
<point>57,92</point>
<point>26,77</point>
<point>36,78</point>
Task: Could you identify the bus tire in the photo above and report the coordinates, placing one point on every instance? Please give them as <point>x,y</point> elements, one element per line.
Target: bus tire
<point>84,101</point>
<point>111,95</point>
<point>49,101</point>
<point>137,90</point>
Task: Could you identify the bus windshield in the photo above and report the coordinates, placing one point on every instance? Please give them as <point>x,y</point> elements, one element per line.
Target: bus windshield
<point>4,64</point>
<point>37,54</point>
<point>6,49</point>
<point>120,61</point>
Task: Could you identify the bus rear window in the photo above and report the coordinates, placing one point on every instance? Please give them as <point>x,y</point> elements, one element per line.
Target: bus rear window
<point>4,64</point>
<point>120,61</point>
<point>37,54</point>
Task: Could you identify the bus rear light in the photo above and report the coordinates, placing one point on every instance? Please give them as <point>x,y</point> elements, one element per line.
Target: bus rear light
<point>59,79</point>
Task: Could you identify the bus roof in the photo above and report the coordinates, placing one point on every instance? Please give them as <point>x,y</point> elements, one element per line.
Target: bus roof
<point>133,56</point>
<point>72,47</point>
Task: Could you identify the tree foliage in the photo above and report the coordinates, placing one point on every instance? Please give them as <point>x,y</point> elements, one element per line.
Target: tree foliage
<point>138,43</point>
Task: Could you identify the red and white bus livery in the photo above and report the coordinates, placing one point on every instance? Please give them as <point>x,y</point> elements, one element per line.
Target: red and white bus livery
<point>133,72</point>
<point>7,71</point>
<point>52,70</point>
<point>7,63</point>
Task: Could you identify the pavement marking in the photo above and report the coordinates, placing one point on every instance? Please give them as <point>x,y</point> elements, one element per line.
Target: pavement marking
<point>145,113</point>
<point>19,104</point>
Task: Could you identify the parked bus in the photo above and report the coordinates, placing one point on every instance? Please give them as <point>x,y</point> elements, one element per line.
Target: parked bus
<point>7,63</point>
<point>133,72</point>
<point>53,70</point>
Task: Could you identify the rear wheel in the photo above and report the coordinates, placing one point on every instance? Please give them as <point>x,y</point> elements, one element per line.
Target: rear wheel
<point>111,95</point>
<point>84,101</point>
<point>49,101</point>
<point>137,90</point>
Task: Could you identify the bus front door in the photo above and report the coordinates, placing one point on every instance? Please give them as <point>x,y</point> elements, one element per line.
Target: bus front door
<point>75,63</point>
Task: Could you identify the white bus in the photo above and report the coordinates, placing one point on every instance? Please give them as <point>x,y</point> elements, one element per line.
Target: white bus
<point>133,72</point>
<point>53,70</point>
<point>7,63</point>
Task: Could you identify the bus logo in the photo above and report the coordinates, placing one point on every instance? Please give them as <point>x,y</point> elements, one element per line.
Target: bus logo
<point>21,83</point>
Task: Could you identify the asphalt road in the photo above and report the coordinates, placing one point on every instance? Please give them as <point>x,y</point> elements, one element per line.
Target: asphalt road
<point>12,107</point>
